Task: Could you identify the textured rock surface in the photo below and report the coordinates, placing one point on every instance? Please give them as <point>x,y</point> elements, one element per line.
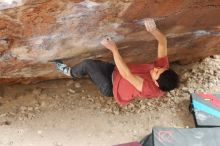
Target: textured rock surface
<point>32,32</point>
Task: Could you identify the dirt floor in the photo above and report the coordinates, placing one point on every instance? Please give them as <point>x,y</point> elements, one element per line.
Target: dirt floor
<point>70,113</point>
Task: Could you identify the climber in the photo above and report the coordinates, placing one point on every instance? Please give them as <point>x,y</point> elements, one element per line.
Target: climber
<point>127,82</point>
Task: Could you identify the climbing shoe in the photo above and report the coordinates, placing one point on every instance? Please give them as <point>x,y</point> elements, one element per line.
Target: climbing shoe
<point>62,67</point>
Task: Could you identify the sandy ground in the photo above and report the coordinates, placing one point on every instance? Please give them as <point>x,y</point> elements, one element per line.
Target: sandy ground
<point>73,113</point>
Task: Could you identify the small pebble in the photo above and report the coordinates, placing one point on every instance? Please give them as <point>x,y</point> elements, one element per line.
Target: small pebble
<point>77,85</point>
<point>71,91</point>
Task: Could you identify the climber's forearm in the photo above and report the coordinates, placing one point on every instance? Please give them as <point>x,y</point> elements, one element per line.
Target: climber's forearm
<point>121,65</point>
<point>125,72</point>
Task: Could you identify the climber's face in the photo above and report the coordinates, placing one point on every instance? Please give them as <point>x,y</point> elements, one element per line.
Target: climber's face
<point>155,74</point>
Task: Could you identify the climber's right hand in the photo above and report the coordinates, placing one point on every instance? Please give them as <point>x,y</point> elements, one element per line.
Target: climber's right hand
<point>150,24</point>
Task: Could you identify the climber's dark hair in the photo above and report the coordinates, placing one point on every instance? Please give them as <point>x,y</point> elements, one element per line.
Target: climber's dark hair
<point>168,80</point>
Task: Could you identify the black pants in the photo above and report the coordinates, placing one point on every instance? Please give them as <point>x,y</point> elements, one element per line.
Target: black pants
<point>100,73</point>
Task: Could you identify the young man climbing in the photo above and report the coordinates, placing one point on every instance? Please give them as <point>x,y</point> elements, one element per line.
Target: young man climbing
<point>126,82</point>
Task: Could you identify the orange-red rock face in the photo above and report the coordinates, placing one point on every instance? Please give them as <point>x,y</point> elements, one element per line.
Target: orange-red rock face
<point>33,32</point>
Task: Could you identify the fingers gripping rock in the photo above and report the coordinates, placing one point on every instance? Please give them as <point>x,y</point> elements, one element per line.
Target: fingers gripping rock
<point>150,24</point>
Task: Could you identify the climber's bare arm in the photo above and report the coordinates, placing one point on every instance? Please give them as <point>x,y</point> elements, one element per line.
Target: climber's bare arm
<point>123,69</point>
<point>161,38</point>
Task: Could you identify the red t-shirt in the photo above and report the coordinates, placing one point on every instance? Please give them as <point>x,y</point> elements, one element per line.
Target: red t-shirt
<point>124,91</point>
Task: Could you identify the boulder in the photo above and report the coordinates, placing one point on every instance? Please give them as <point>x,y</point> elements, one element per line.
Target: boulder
<point>35,32</point>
